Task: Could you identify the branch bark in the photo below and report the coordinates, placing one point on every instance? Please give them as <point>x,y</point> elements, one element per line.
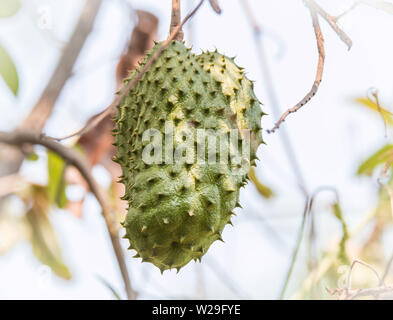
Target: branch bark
<point>20,139</point>
<point>176,20</point>
<point>40,113</point>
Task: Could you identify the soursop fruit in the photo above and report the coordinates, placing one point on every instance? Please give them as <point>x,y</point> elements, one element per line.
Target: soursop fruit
<point>178,208</point>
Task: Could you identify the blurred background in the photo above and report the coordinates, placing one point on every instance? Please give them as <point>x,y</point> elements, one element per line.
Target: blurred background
<point>335,153</point>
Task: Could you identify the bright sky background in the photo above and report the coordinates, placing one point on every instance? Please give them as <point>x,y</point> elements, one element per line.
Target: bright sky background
<point>331,136</point>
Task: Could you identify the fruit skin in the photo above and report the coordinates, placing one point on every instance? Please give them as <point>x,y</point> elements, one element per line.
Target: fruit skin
<point>176,211</point>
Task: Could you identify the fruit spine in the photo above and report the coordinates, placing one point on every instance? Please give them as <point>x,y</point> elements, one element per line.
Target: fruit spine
<point>177,210</point>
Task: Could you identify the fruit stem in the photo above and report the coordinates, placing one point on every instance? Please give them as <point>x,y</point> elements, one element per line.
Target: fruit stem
<point>176,20</point>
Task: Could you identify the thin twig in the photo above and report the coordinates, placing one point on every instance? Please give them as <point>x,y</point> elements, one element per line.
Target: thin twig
<point>257,32</point>
<point>387,270</point>
<point>318,77</point>
<point>251,18</point>
<point>316,10</point>
<point>20,138</point>
<point>297,247</point>
<point>351,8</point>
<point>175,20</point>
<point>358,261</point>
<point>112,107</point>
<point>379,4</point>
<point>374,93</point>
<point>10,184</point>
<point>43,108</point>
<point>215,6</point>
<point>332,21</point>
<point>306,213</point>
<point>349,293</point>
<point>40,113</point>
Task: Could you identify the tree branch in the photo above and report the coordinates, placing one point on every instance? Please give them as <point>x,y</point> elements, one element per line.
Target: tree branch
<point>21,138</point>
<point>370,267</point>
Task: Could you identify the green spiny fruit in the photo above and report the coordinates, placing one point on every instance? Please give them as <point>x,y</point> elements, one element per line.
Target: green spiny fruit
<point>177,210</point>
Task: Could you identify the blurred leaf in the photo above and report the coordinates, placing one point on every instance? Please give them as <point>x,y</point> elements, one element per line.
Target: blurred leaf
<point>263,190</point>
<point>339,215</point>
<point>380,157</point>
<point>384,206</point>
<point>110,287</point>
<point>8,71</point>
<point>387,115</point>
<point>56,180</point>
<point>372,250</point>
<point>9,7</point>
<point>32,157</point>
<point>43,238</point>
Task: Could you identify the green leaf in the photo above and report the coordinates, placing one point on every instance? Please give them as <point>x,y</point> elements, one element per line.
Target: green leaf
<point>386,114</point>
<point>378,158</point>
<point>43,238</point>
<point>263,190</point>
<point>56,181</point>
<point>32,157</point>
<point>8,71</point>
<point>9,7</point>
